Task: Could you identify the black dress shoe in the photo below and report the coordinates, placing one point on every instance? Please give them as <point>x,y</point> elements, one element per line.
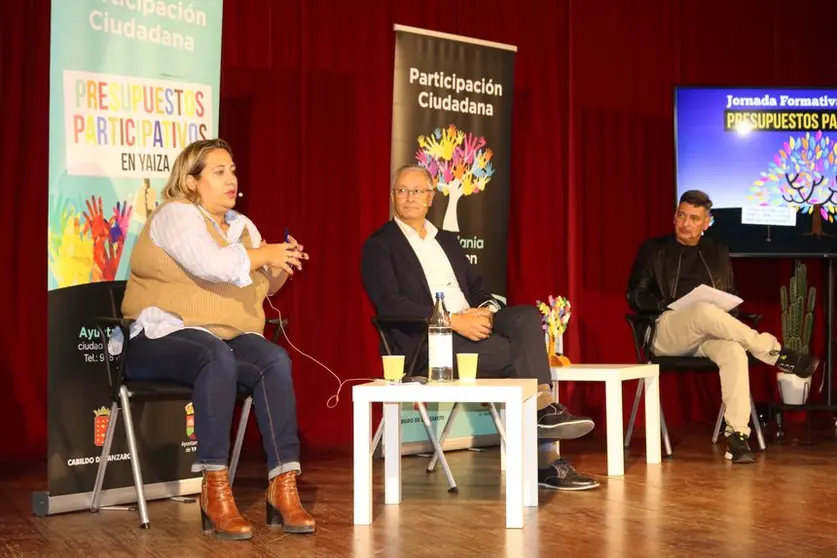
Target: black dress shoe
<point>562,476</point>
<point>555,422</point>
<point>791,362</point>
<point>738,449</point>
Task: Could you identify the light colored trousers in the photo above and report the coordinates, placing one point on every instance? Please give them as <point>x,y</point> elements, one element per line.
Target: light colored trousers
<point>707,331</point>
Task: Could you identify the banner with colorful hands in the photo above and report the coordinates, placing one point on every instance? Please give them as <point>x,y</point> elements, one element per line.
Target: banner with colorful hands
<point>131,84</point>
<point>555,312</point>
<point>451,115</point>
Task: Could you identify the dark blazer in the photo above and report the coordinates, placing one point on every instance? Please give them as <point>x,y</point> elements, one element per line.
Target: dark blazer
<point>395,283</point>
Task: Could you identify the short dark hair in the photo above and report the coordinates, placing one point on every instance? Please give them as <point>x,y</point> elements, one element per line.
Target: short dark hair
<point>697,199</point>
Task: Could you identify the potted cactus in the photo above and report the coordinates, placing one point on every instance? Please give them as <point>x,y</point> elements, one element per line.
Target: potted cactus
<point>797,323</point>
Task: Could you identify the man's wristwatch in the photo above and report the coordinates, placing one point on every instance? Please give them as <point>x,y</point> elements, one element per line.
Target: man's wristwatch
<point>492,305</point>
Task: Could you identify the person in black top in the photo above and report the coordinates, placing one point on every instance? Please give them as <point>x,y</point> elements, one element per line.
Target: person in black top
<point>692,271</point>
<point>670,267</point>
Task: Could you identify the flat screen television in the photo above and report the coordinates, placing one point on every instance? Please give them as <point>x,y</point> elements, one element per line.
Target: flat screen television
<point>767,157</point>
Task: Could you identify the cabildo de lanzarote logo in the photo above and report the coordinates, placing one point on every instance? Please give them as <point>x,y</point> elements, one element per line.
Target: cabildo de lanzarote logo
<point>101,419</point>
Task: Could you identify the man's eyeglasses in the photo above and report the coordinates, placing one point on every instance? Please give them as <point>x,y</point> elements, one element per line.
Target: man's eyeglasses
<point>404,192</point>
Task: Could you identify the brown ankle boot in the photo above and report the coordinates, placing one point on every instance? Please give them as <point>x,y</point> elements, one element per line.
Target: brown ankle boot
<point>219,514</point>
<point>284,507</point>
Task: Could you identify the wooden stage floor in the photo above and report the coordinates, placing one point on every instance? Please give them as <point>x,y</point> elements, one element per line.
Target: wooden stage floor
<point>697,504</point>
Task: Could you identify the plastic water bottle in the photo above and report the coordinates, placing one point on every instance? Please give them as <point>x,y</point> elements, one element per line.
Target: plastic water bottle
<point>440,343</point>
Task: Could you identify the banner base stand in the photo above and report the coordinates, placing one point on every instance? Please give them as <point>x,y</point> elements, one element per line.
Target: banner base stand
<point>184,499</point>
<point>43,504</point>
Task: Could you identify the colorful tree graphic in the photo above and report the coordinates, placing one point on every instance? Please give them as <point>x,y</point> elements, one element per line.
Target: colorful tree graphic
<point>458,164</point>
<point>802,176</point>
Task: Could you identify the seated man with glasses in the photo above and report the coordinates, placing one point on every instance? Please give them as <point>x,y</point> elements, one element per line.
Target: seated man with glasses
<point>408,259</point>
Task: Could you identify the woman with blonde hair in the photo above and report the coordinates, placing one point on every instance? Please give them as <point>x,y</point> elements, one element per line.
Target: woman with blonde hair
<point>199,275</point>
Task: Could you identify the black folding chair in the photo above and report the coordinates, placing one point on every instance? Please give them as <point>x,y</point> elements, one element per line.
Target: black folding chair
<point>642,328</point>
<point>125,391</point>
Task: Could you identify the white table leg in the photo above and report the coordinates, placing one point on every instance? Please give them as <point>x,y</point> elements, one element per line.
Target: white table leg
<point>613,403</point>
<point>362,426</point>
<point>555,392</point>
<point>503,447</point>
<point>514,464</point>
<point>392,453</point>
<point>652,420</point>
<point>530,453</point>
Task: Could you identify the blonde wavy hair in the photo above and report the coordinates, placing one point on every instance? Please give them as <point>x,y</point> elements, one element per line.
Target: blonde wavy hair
<point>191,162</point>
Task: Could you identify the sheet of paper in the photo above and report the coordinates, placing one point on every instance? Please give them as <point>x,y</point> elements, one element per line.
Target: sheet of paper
<point>705,293</point>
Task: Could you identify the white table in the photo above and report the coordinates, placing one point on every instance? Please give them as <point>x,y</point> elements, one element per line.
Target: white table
<point>521,460</point>
<point>613,375</point>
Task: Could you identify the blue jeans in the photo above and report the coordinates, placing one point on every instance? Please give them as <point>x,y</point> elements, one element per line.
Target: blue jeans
<point>213,367</point>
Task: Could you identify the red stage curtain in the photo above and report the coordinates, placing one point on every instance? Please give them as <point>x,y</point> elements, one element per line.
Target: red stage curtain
<point>24,98</point>
<point>306,100</point>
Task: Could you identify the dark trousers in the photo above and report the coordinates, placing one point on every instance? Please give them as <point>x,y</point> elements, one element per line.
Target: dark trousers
<point>515,348</point>
<point>213,368</point>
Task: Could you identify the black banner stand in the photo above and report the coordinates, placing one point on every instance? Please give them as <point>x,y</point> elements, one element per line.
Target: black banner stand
<point>78,403</point>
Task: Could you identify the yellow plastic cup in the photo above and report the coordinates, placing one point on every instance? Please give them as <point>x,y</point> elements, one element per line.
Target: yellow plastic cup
<point>466,364</point>
<point>393,367</point>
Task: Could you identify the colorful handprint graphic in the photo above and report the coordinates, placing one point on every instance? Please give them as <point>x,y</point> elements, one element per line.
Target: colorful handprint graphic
<point>70,253</point>
<point>121,219</point>
<point>88,247</point>
<point>459,165</point>
<point>98,229</point>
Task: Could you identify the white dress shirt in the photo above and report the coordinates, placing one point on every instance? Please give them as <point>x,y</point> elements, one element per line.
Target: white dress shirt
<point>180,230</point>
<point>436,266</point>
